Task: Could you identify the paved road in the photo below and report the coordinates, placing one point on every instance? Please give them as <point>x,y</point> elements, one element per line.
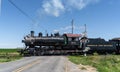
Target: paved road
<point>36,64</point>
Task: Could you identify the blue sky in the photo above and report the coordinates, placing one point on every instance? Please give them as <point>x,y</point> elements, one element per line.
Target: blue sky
<point>102,18</point>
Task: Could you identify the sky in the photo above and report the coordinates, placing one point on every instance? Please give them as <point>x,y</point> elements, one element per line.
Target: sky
<point>19,17</point>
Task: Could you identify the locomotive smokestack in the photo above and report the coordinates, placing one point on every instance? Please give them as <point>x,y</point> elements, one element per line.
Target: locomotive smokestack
<point>32,33</point>
<point>40,34</point>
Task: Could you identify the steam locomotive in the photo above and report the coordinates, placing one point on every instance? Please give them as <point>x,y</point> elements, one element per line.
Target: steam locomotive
<point>67,44</point>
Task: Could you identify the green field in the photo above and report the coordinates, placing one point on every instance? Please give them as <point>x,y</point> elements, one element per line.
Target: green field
<point>7,55</point>
<point>103,63</point>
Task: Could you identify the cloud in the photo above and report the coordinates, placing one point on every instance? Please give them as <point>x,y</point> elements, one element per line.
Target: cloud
<point>55,31</point>
<point>67,29</point>
<point>53,7</point>
<point>57,7</point>
<point>79,4</point>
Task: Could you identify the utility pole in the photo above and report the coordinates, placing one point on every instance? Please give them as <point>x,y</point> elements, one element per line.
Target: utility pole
<point>85,32</point>
<point>72,25</point>
<point>85,29</point>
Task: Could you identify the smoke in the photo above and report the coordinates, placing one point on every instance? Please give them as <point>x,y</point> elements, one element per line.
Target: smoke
<point>0,6</point>
<point>58,7</point>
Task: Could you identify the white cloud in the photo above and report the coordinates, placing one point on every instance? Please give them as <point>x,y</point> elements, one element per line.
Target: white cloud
<point>79,4</point>
<point>67,29</point>
<point>55,31</point>
<point>57,7</point>
<point>53,7</point>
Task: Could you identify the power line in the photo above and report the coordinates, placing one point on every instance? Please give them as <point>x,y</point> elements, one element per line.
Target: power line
<point>24,13</point>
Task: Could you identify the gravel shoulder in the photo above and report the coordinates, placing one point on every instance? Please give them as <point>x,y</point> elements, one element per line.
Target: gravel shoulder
<point>79,68</point>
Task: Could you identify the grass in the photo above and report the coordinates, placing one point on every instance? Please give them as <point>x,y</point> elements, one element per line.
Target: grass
<point>103,63</point>
<point>7,55</point>
<point>8,50</point>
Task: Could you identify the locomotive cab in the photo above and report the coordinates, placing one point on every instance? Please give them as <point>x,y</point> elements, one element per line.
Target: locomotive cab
<point>72,39</point>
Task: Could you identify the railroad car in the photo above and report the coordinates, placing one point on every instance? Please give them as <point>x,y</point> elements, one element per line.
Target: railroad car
<point>101,46</point>
<point>117,44</point>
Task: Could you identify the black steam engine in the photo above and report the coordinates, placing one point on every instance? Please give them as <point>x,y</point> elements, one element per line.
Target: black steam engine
<point>53,44</point>
<point>67,44</point>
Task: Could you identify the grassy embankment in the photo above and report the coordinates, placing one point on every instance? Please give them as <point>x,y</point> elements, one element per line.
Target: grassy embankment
<point>103,63</point>
<point>7,55</point>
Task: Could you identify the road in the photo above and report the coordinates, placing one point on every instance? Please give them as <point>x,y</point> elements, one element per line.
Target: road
<point>41,64</point>
<point>36,64</point>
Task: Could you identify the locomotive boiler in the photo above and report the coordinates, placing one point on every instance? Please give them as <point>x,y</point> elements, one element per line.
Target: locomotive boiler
<point>32,41</point>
